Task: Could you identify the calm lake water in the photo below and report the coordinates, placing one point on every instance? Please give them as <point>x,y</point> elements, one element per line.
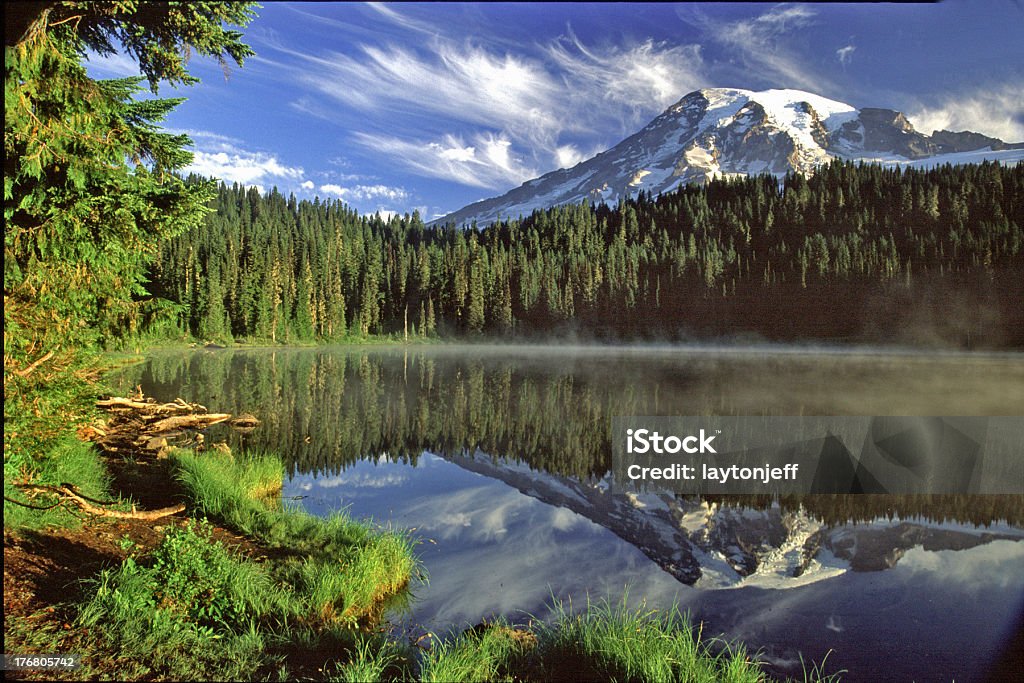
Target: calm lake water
<point>498,460</point>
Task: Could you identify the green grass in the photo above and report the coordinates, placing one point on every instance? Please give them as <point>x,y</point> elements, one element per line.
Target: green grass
<point>613,642</point>
<point>373,659</point>
<point>67,460</point>
<point>494,653</point>
<point>189,611</point>
<point>343,568</point>
<point>816,674</point>
<point>42,411</point>
<point>605,642</point>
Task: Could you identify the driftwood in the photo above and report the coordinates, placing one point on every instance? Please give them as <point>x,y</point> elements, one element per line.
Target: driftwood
<point>149,406</point>
<point>31,368</point>
<point>68,493</point>
<point>137,426</point>
<point>178,422</point>
<point>140,426</point>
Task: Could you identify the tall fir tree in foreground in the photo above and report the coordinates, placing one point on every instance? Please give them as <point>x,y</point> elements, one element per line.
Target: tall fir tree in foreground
<point>89,177</point>
<point>90,191</point>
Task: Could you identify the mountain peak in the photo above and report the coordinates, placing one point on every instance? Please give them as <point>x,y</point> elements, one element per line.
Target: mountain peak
<point>721,132</point>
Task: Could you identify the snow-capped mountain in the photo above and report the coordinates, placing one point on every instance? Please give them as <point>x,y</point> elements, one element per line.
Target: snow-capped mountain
<point>719,132</point>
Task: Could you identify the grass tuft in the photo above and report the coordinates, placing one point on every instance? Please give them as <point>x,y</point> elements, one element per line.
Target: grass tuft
<point>493,652</point>
<point>614,642</point>
<point>343,569</point>
<point>372,659</point>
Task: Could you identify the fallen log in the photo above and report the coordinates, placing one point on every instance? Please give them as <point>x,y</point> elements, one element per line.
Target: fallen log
<point>67,492</point>
<point>185,421</point>
<point>140,425</point>
<point>150,407</point>
<point>115,402</point>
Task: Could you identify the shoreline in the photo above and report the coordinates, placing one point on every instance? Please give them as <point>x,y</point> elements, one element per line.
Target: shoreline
<point>104,559</point>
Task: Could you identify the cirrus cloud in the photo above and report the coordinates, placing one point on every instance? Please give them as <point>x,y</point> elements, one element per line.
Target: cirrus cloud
<point>637,78</point>
<point>488,161</point>
<point>761,44</point>
<point>481,116</point>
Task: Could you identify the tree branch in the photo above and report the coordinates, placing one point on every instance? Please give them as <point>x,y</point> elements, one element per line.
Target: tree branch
<point>29,370</point>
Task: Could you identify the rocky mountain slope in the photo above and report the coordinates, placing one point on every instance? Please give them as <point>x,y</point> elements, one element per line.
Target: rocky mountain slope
<point>720,132</point>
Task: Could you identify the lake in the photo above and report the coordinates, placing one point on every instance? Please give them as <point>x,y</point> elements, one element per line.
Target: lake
<point>498,460</point>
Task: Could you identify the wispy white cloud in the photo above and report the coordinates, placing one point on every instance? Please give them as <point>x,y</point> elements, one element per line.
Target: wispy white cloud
<point>464,82</point>
<point>761,44</point>
<point>638,77</point>
<point>363,192</point>
<point>117,64</point>
<point>209,141</point>
<point>487,161</point>
<point>845,54</point>
<point>515,109</point>
<point>400,19</point>
<point>992,111</point>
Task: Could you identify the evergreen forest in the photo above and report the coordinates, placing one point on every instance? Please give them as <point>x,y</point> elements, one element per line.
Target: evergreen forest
<point>854,253</point>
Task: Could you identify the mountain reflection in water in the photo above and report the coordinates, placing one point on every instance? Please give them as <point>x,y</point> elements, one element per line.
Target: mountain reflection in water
<point>499,458</point>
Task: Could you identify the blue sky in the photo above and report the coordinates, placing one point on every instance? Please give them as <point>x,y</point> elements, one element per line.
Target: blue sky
<point>396,107</point>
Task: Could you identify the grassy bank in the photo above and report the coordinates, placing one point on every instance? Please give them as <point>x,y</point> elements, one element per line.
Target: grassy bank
<point>339,569</point>
<point>292,588</point>
<point>296,596</point>
<point>47,403</point>
<point>143,344</point>
<point>210,613</point>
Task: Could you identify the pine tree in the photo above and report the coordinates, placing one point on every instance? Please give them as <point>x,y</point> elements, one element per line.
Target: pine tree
<point>89,182</point>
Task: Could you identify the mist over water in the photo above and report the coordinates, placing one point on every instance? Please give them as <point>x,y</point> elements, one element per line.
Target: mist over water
<point>499,458</point>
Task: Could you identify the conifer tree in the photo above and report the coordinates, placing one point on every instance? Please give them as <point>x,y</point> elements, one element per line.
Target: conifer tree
<point>89,182</point>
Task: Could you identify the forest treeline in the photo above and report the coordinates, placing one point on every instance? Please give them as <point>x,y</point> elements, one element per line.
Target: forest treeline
<point>855,252</point>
